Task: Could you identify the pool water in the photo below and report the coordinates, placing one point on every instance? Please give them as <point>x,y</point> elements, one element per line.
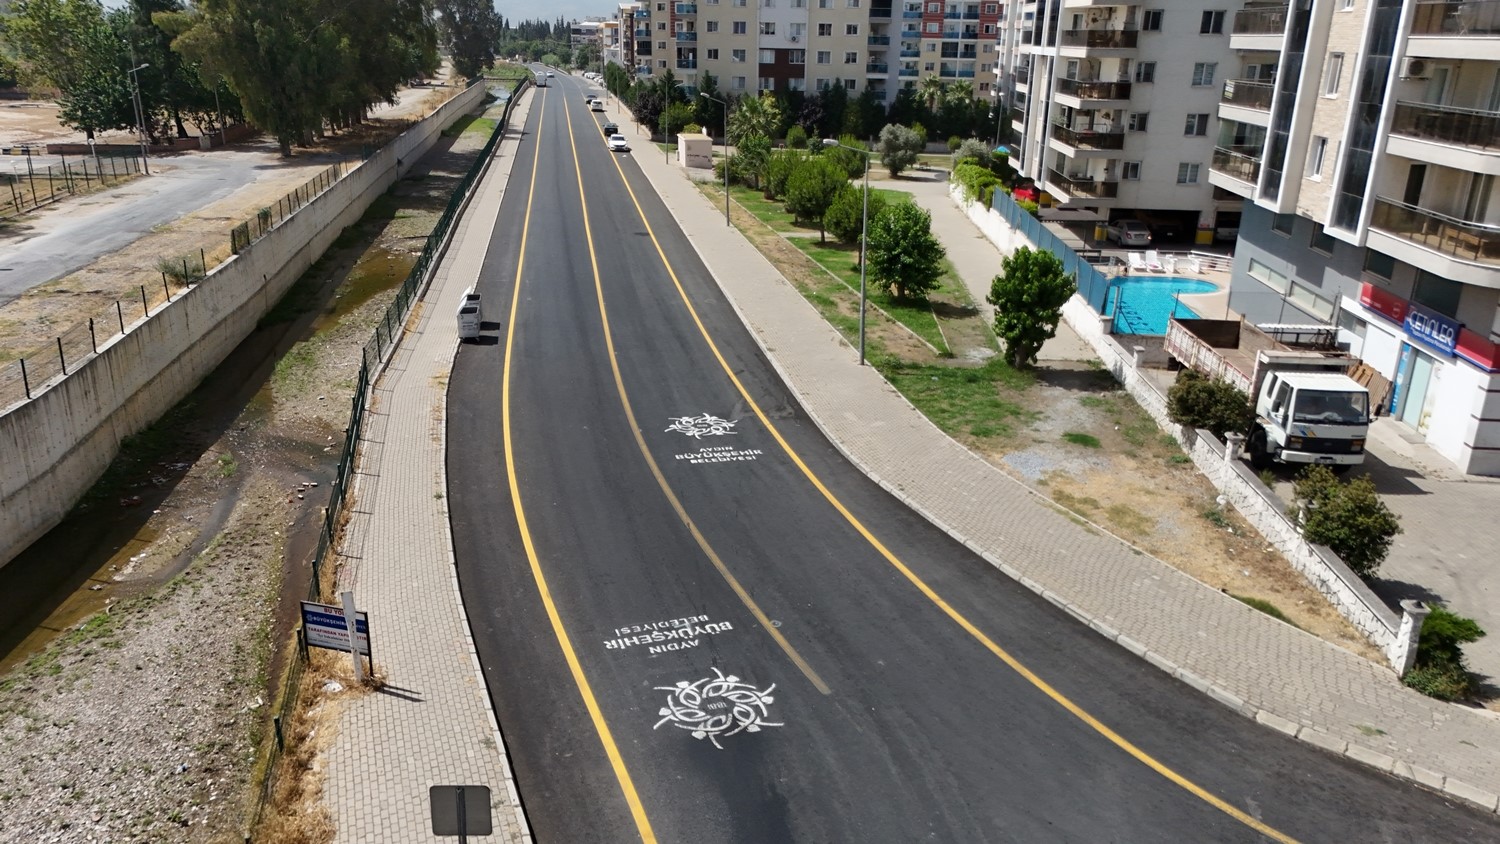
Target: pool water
<point>1144,305</point>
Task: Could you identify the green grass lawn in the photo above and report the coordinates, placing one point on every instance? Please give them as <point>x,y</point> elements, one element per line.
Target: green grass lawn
<point>963,400</point>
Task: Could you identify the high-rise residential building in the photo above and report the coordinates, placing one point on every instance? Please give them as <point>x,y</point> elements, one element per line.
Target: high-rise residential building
<point>1364,137</point>
<point>1113,107</point>
<point>811,45</point>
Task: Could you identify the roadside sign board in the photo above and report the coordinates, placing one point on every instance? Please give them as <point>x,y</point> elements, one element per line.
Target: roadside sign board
<point>324,626</point>
<point>460,810</point>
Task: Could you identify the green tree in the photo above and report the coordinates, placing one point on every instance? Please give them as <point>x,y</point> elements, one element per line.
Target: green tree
<point>471,30</point>
<point>709,112</point>
<point>811,188</point>
<point>845,217</point>
<point>1213,404</point>
<point>678,116</point>
<point>1349,518</point>
<point>931,92</point>
<point>755,115</point>
<point>78,48</point>
<point>751,158</point>
<point>865,115</point>
<point>905,257</point>
<point>796,138</point>
<point>1028,296</point>
<point>899,147</point>
<point>852,161</point>
<point>779,167</point>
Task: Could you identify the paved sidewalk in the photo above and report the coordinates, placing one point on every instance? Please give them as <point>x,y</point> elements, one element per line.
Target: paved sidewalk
<point>1281,676</point>
<point>432,724</point>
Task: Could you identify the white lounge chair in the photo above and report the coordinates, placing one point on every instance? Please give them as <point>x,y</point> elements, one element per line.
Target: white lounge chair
<point>1194,265</point>
<point>1170,263</point>
<point>1137,263</point>
<point>1153,261</point>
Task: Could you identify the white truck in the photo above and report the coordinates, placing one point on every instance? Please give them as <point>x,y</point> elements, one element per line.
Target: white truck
<point>470,316</point>
<point>1307,410</point>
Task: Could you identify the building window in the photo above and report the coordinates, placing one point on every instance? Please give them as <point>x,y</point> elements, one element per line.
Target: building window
<point>713,54</point>
<point>851,58</point>
<point>1331,72</point>
<point>768,27</point>
<point>1212,23</point>
<point>992,8</point>
<point>825,30</point>
<point>767,56</point>
<point>799,4</point>
<point>661,27</point>
<point>796,83</point>
<point>737,27</point>
<point>1379,264</point>
<point>796,57</point>
<point>1304,298</point>
<point>1346,5</point>
<point>1197,124</point>
<point>934,7</point>
<point>1145,72</point>
<point>824,57</point>
<point>1203,73</point>
<point>1437,293</point>
<point>851,29</point>
<point>848,84</point>
<point>1138,121</point>
<point>798,30</point>
<point>929,67</point>
<point>929,27</point>
<point>853,4</point>
<point>989,29</point>
<point>737,83</point>
<point>931,47</point>
<point>767,83</point>
<point>1130,171</point>
<point>1151,20</point>
<point>1283,223</point>
<point>662,63</point>
<point>1321,241</point>
<point>1187,173</point>
<point>736,55</point>
<point>661,45</point>
<point>825,4</point>
<point>1267,276</point>
<point>1315,156</point>
<point>713,26</point>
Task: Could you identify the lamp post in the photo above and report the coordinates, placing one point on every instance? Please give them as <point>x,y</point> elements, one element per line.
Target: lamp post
<point>140,120</point>
<point>864,231</point>
<point>725,104</point>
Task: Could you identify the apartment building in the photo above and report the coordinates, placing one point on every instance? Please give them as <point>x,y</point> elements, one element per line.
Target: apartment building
<point>1114,104</point>
<point>1364,137</point>
<point>811,45</point>
<point>635,36</point>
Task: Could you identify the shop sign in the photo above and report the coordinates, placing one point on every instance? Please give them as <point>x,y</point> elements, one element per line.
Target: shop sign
<point>1387,305</point>
<point>1432,328</point>
<point>1478,351</point>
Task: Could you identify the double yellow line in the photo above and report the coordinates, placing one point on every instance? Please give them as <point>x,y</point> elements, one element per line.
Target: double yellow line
<point>632,798</point>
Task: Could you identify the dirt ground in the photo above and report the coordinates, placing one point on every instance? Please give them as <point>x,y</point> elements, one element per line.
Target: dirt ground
<point>1083,442</point>
<point>138,707</point>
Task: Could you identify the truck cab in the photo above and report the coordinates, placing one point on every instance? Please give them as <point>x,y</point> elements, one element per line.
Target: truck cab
<point>1310,417</point>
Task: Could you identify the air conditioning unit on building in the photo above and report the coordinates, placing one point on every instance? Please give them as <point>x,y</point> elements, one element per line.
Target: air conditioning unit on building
<point>793,38</point>
<point>1415,69</point>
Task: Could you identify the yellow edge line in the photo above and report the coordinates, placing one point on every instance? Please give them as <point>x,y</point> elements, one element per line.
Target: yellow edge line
<point>616,761</point>
<point>661,480</point>
<point>931,594</point>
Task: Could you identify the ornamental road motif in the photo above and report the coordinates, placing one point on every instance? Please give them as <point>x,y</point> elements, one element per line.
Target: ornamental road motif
<point>699,427</point>
<point>716,707</point>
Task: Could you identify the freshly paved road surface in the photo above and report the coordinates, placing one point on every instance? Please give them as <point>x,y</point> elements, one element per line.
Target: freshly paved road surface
<point>623,463</point>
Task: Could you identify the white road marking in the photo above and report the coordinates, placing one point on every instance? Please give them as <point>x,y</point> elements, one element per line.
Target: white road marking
<point>717,707</point>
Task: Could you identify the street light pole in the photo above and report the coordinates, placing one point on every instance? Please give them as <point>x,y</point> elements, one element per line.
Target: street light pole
<point>864,233</point>
<point>725,104</point>
<point>140,120</point>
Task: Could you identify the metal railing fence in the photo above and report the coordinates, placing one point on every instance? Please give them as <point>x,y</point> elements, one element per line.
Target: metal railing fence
<point>39,186</point>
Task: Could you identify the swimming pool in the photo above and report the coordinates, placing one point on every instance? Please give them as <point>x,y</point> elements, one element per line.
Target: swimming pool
<point>1143,305</point>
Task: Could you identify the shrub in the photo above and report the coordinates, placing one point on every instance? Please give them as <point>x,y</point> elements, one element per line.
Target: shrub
<point>1028,296</point>
<point>692,129</point>
<point>1214,404</point>
<point>973,150</point>
<point>1349,518</point>
<point>954,142</point>
<point>1028,206</point>
<point>1439,670</point>
<point>852,163</point>
<point>845,217</point>
<point>899,147</point>
<point>796,138</point>
<point>779,167</point>
<point>977,182</point>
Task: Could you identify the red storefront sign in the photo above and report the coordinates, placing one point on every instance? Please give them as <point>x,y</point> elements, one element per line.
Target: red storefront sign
<point>1388,305</point>
<point>1470,346</point>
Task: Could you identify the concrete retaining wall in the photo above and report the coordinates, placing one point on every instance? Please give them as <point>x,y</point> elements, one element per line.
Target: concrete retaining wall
<point>1395,635</point>
<point>55,446</point>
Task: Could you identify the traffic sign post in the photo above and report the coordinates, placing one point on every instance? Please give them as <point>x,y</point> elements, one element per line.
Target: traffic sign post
<point>461,810</point>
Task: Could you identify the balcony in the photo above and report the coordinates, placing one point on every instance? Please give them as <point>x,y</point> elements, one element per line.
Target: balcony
<point>876,67</point>
<point>1463,20</point>
<point>1260,21</point>
<point>952,16</point>
<point>1094,90</point>
<point>643,33</point>
<point>1021,74</point>
<point>911,16</point>
<point>908,73</point>
<point>971,16</point>
<point>687,64</point>
<point>969,35</point>
<point>1099,39</point>
<point>911,34</point>
<point>1087,139</point>
<point>911,54</point>
<point>880,13</point>
<point>1083,186</point>
<point>879,40</point>
<point>687,36</point>
<point>1444,124</point>
<point>687,8</point>
<point>1464,240</point>
<point>1248,93</point>
<point>1242,163</point>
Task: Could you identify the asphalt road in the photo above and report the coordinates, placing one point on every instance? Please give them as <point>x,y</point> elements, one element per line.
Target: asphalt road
<point>623,462</point>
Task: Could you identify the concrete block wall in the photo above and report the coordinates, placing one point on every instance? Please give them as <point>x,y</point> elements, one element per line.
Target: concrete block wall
<point>1231,476</point>
<point>55,446</point>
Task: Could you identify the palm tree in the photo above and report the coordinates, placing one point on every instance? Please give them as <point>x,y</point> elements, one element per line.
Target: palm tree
<point>931,90</point>
<point>960,92</point>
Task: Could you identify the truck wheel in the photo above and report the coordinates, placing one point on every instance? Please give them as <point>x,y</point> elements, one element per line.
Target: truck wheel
<point>1259,459</point>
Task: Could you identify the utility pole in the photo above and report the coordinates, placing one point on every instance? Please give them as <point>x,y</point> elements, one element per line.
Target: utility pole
<point>135,96</point>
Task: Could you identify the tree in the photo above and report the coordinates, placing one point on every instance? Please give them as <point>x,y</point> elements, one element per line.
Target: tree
<point>811,188</point>
<point>1028,296</point>
<point>678,115</point>
<point>471,29</point>
<point>751,158</point>
<point>779,167</point>
<point>1209,403</point>
<point>852,161</point>
<point>833,102</point>
<point>904,256</point>
<point>846,216</point>
<point>865,115</point>
<point>931,92</point>
<point>709,112</point>
<point>74,46</point>
<point>755,115</point>
<point>1349,518</point>
<point>973,150</point>
<point>899,147</point>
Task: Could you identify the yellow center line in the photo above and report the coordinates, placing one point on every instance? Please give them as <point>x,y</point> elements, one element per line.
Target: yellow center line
<point>921,585</point>
<point>616,761</point>
<point>661,480</point>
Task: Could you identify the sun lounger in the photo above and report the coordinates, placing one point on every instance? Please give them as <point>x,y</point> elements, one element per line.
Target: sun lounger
<point>1153,261</point>
<point>1170,262</point>
<point>1137,263</point>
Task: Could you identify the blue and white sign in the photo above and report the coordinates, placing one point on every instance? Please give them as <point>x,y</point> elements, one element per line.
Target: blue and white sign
<point>1432,328</point>
<point>324,626</point>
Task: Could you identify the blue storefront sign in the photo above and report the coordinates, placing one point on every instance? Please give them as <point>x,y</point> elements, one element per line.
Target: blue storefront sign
<point>1432,329</point>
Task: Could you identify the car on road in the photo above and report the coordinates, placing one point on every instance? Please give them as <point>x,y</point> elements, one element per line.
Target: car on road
<point>589,99</point>
<point>596,105</point>
<point>617,143</point>
<point>550,74</point>
<point>1128,233</point>
<point>610,129</point>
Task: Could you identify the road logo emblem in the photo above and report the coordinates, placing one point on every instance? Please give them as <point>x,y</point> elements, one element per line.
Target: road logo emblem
<point>698,427</point>
<point>717,707</point>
